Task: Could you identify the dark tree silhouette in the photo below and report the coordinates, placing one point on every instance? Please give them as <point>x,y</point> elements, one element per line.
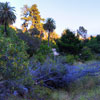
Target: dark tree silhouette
<point>82,31</point>
<point>49,26</point>
<point>7,15</point>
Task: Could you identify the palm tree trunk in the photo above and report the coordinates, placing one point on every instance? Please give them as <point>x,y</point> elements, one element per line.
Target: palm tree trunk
<point>5,29</point>
<point>48,39</point>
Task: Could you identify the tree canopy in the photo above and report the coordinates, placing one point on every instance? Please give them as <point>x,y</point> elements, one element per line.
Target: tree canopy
<point>82,32</point>
<point>49,26</point>
<point>32,19</point>
<point>7,15</point>
<point>69,43</point>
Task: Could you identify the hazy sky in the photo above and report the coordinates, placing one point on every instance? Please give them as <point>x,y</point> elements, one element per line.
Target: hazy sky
<point>66,13</point>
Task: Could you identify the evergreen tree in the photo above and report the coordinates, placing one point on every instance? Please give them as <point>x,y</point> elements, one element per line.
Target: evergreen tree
<point>69,43</point>
<point>32,19</point>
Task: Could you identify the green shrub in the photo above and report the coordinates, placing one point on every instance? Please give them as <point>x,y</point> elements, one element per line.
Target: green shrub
<point>45,50</point>
<point>11,32</point>
<point>77,58</point>
<point>42,53</point>
<point>86,54</point>
<point>39,57</point>
<point>13,57</point>
<point>70,59</point>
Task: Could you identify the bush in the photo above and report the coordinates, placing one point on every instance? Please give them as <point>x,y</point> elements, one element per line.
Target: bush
<point>13,57</point>
<point>86,54</point>
<point>70,59</point>
<point>42,53</point>
<point>39,57</point>
<point>10,31</point>
<point>44,49</point>
<point>93,44</point>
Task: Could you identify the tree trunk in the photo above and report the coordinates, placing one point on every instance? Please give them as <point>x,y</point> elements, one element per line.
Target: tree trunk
<point>48,39</point>
<point>5,29</point>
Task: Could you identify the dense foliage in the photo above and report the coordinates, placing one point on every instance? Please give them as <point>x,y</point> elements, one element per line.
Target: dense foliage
<point>94,44</point>
<point>32,19</point>
<point>7,15</point>
<point>69,43</point>
<point>33,43</point>
<point>13,56</point>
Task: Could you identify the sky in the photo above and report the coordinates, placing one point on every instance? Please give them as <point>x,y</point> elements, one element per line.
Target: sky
<point>67,13</point>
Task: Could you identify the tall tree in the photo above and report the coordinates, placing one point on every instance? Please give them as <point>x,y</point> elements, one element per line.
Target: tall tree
<point>69,43</point>
<point>7,15</point>
<point>25,14</point>
<point>82,31</point>
<point>32,18</point>
<point>49,26</point>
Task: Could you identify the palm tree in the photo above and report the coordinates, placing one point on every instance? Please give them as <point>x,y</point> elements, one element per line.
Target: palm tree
<point>7,15</point>
<point>49,26</point>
